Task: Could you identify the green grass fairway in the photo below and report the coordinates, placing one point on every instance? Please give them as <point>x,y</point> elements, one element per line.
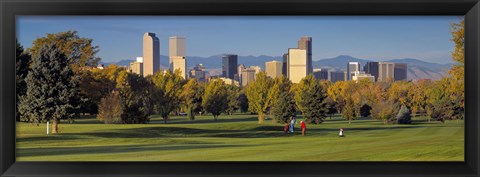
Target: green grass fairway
<point>241,138</point>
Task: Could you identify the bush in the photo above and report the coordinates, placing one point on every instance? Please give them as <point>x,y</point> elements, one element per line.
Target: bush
<point>365,110</point>
<point>110,109</point>
<point>404,116</point>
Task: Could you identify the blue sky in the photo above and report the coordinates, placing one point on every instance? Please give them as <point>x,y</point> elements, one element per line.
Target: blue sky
<point>368,37</point>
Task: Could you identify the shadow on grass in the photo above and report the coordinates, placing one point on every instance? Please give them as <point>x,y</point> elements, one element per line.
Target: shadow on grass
<point>204,120</point>
<point>159,132</point>
<point>32,152</point>
<point>267,131</point>
<point>60,137</point>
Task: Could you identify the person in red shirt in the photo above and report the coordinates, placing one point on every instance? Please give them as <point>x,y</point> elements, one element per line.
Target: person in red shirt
<point>285,129</point>
<point>304,128</point>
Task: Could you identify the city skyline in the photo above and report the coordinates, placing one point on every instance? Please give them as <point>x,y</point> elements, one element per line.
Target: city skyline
<point>373,38</point>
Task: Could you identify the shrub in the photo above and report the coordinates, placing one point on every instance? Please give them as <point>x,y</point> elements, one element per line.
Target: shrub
<point>365,110</point>
<point>404,116</point>
<point>110,109</point>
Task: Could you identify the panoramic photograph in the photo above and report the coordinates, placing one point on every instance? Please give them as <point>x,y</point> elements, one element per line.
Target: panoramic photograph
<point>240,88</point>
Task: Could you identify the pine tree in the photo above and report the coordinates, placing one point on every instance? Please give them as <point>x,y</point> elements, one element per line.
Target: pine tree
<point>22,61</point>
<point>284,107</point>
<point>311,99</point>
<point>50,88</point>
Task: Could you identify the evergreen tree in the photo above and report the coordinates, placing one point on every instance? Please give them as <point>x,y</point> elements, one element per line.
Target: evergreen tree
<point>311,99</point>
<point>233,102</point>
<point>50,88</point>
<point>284,108</point>
<point>404,116</point>
<point>243,102</point>
<point>21,66</point>
<point>365,110</point>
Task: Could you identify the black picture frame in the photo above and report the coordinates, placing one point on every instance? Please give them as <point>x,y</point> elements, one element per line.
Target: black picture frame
<point>10,9</point>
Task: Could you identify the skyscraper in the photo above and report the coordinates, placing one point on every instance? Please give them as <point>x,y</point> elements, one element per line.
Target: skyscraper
<point>338,76</point>
<point>321,74</point>
<point>177,46</point>
<point>297,64</point>
<point>151,54</point>
<point>178,56</point>
<point>273,68</point>
<point>248,75</point>
<point>352,67</point>
<point>372,69</point>
<point>305,43</point>
<point>299,60</point>
<point>229,66</point>
<point>285,65</point>
<point>179,63</point>
<point>385,71</point>
<point>240,68</point>
<point>400,71</point>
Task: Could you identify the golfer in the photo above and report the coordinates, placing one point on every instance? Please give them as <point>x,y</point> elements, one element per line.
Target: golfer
<point>304,128</point>
<point>292,124</point>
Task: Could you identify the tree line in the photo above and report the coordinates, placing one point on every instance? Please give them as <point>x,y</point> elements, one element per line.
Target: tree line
<point>57,80</point>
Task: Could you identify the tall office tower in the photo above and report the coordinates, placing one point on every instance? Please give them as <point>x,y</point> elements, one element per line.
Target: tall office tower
<point>240,68</point>
<point>151,54</point>
<point>299,60</point>
<point>400,71</point>
<point>248,75</point>
<point>321,74</point>
<point>177,59</point>
<point>385,71</point>
<point>285,65</point>
<point>305,43</point>
<point>177,46</point>
<point>351,68</point>
<point>297,64</point>
<point>229,66</point>
<point>372,69</point>
<point>179,63</point>
<point>338,76</point>
<point>273,68</point>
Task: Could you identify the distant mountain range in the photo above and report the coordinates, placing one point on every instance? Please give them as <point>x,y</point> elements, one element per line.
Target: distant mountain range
<point>417,69</point>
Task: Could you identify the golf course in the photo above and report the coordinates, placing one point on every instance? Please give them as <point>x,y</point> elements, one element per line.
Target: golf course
<point>239,137</point>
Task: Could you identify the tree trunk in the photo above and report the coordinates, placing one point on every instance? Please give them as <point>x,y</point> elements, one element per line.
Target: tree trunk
<point>349,121</point>
<point>165,120</point>
<point>215,117</point>
<point>55,126</point>
<point>261,118</point>
<point>385,122</point>
<point>191,114</point>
